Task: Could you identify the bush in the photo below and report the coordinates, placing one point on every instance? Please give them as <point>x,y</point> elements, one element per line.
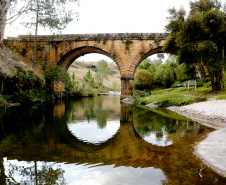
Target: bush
<point>28,79</point>
<point>138,93</point>
<point>56,74</point>
<point>143,79</point>
<point>175,83</point>
<point>208,84</point>
<point>3,100</point>
<point>28,96</point>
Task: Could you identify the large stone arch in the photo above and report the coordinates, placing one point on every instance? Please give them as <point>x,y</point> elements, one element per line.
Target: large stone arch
<point>68,58</point>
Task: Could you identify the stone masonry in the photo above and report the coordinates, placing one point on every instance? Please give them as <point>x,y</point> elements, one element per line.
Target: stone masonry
<point>127,50</point>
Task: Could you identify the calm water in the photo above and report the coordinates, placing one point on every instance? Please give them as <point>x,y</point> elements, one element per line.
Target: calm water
<point>96,141</point>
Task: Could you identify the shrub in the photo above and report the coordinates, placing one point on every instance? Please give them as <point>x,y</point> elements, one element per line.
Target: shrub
<point>143,79</point>
<point>56,74</point>
<point>175,83</point>
<point>3,100</point>
<point>138,93</point>
<point>208,84</point>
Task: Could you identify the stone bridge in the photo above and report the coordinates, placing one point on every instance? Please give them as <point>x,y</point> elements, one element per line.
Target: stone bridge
<point>127,50</point>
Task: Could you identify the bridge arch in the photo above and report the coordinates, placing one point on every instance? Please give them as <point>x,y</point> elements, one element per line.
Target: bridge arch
<point>69,57</point>
<point>140,58</point>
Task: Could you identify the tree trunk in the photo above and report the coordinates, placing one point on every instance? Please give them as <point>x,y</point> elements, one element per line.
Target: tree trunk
<point>223,65</point>
<point>4,6</point>
<point>216,80</point>
<point>36,33</point>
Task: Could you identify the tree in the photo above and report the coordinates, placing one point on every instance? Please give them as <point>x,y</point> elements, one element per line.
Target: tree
<point>4,7</point>
<point>143,79</point>
<point>102,71</point>
<point>200,37</point>
<point>89,79</point>
<point>11,7</point>
<point>145,64</point>
<point>57,74</point>
<point>46,13</point>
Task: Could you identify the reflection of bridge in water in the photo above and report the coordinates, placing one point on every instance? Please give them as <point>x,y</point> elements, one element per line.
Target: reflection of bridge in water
<point>125,148</point>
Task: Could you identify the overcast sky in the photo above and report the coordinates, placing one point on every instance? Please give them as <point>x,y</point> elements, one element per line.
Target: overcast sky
<point>115,16</point>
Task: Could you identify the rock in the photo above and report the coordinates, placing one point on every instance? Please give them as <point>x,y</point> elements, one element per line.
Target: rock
<point>152,105</point>
<point>13,104</point>
<point>128,101</point>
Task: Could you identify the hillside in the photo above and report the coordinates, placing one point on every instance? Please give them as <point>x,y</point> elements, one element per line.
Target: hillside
<point>81,68</point>
<point>11,62</point>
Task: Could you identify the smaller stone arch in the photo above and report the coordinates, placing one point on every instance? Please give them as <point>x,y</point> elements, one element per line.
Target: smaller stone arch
<point>140,57</point>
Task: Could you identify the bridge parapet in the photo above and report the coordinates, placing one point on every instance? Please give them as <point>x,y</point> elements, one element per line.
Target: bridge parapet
<point>92,37</point>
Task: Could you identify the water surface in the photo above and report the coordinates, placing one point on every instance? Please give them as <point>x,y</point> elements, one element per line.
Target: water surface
<point>99,141</point>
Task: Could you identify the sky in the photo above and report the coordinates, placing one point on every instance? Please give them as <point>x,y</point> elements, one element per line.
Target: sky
<point>114,16</point>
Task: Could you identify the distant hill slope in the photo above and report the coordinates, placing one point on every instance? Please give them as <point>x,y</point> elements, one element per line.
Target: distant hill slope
<point>81,68</point>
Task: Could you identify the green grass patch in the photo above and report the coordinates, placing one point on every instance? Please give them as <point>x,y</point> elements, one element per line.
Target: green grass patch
<point>176,97</point>
<point>171,99</point>
<point>221,97</point>
<point>181,96</point>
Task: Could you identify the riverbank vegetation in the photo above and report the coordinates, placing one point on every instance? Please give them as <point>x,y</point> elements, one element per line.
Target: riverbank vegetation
<point>21,83</point>
<point>181,96</point>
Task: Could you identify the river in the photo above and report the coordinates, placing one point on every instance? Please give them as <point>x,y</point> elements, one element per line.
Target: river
<point>99,141</point>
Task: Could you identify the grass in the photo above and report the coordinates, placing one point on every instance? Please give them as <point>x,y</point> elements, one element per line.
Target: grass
<point>179,97</point>
<point>221,97</point>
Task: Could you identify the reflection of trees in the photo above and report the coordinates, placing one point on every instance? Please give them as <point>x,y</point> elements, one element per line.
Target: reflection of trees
<point>101,116</point>
<point>44,174</point>
<point>95,109</point>
<point>147,122</point>
<point>86,107</point>
<point>2,172</point>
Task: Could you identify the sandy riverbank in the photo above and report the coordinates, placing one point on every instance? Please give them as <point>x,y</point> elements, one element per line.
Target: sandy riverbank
<point>212,150</point>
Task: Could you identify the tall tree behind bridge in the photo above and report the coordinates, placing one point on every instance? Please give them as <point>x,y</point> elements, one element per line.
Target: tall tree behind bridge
<point>102,71</point>
<point>200,37</point>
<point>52,14</point>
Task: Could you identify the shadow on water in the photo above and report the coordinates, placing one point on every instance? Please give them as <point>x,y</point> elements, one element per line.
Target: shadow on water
<point>98,141</point>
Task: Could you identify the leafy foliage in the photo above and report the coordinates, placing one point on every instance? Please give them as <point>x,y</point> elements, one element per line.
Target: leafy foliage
<point>57,74</point>
<point>49,14</point>
<point>102,72</point>
<point>89,79</point>
<point>164,74</point>
<point>200,37</point>
<point>143,79</point>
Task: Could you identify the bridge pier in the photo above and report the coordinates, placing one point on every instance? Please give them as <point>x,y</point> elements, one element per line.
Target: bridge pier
<point>126,86</point>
